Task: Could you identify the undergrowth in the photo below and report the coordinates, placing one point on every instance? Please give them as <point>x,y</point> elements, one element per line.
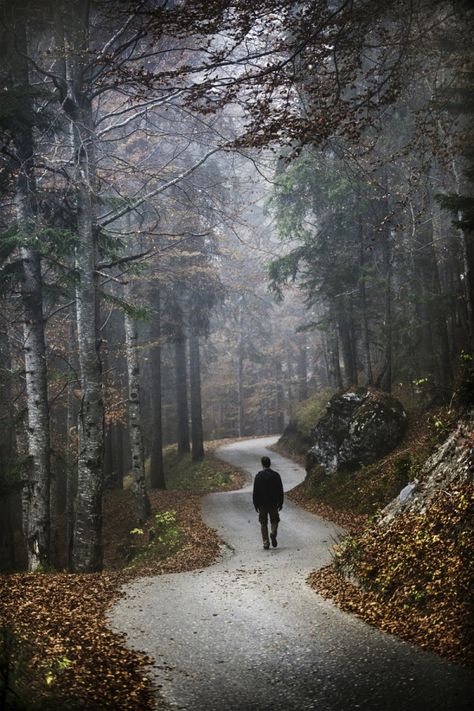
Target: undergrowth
<point>203,476</point>
<point>158,539</point>
<point>421,568</point>
<point>371,487</point>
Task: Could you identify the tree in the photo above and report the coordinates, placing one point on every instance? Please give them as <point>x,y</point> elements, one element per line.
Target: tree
<point>36,488</point>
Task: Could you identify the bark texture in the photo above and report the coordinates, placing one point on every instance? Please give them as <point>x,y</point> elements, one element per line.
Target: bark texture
<point>142,502</point>
<point>157,472</point>
<point>87,545</point>
<point>196,406</point>
<point>181,394</point>
<point>36,491</point>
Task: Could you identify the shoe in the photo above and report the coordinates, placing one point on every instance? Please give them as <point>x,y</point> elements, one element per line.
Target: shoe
<point>273,536</point>
<point>266,546</point>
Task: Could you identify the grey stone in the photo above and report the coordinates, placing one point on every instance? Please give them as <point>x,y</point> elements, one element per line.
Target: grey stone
<point>452,463</point>
<point>359,426</point>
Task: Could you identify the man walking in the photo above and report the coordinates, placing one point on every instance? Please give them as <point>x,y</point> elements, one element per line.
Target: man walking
<point>268,501</point>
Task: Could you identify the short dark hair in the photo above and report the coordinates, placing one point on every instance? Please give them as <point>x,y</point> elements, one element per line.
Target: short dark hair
<point>266,462</point>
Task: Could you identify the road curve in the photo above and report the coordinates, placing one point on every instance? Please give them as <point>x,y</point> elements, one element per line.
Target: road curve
<point>249,634</point>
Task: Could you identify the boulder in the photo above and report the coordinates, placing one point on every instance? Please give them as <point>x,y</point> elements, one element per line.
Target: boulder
<point>360,426</point>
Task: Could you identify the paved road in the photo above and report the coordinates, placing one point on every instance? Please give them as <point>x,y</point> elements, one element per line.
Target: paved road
<point>249,634</point>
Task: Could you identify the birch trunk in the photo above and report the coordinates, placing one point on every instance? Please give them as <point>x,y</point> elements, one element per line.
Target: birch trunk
<point>87,539</point>
<point>36,495</point>
<point>142,502</point>
<point>87,549</point>
<point>36,492</point>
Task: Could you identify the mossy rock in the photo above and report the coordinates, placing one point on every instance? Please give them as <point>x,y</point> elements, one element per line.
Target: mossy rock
<point>360,426</point>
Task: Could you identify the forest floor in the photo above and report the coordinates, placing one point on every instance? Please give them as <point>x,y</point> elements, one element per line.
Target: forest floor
<point>57,650</point>
<point>69,656</point>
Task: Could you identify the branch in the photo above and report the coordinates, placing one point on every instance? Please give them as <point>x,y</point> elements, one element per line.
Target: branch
<point>123,260</point>
<point>157,191</point>
<point>149,105</point>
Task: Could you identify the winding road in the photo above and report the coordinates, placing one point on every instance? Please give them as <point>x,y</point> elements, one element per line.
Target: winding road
<point>248,633</point>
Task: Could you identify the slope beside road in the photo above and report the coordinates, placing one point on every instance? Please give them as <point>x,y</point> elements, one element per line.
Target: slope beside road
<point>249,634</point>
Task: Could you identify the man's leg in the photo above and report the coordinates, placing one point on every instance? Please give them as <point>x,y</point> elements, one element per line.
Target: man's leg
<point>274,521</point>
<point>263,518</point>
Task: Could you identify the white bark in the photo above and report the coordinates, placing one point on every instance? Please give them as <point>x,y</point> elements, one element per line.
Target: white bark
<point>134,417</point>
<point>37,491</point>
<point>87,536</point>
<point>87,546</point>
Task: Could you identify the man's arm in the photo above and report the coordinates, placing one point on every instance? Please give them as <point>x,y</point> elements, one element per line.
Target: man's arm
<point>255,495</point>
<point>281,493</point>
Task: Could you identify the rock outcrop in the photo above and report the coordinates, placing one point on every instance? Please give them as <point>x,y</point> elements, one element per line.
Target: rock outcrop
<point>360,426</point>
<point>451,464</point>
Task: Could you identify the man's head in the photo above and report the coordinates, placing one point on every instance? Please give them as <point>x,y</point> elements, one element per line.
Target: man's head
<point>266,462</point>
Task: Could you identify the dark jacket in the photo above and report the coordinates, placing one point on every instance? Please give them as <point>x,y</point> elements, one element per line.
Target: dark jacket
<point>267,489</point>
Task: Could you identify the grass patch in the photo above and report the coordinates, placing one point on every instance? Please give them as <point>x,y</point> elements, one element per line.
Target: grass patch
<point>159,538</point>
<point>208,475</point>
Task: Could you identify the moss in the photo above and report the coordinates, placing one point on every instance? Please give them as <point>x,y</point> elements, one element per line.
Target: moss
<point>161,539</point>
<point>297,437</point>
<point>204,476</point>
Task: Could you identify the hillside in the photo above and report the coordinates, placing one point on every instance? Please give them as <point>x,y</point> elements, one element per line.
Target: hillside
<point>406,567</point>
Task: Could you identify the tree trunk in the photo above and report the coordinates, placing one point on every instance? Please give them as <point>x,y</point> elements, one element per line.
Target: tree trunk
<point>71,470</point>
<point>36,501</point>
<point>10,513</point>
<point>279,424</point>
<point>464,187</point>
<point>468,261</point>
<point>344,330</point>
<point>37,493</point>
<point>364,308</point>
<point>157,471</point>
<point>435,309</point>
<point>181,393</point>
<point>302,368</point>
<point>433,353</point>
<point>289,378</point>
<point>385,380</point>
<point>333,352</point>
<point>142,502</point>
<point>196,407</point>
<point>240,378</point>
<point>87,551</point>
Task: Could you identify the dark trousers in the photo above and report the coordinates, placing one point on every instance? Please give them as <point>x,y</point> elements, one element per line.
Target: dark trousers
<point>265,512</point>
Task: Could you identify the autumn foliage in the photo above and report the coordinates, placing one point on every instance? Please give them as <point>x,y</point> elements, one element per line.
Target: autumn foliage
<point>415,576</point>
<point>64,654</point>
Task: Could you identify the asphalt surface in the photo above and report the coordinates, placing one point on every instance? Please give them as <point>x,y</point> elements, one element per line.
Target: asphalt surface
<point>248,633</point>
